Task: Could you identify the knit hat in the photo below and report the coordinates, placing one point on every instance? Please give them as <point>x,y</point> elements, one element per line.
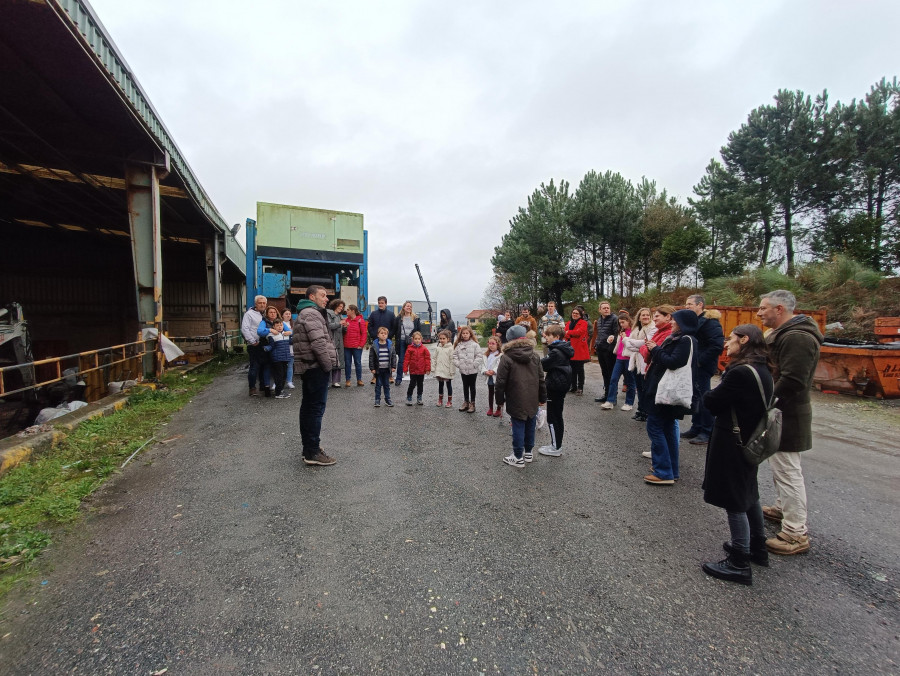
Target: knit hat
<point>514,332</point>
<point>687,321</point>
<point>501,318</point>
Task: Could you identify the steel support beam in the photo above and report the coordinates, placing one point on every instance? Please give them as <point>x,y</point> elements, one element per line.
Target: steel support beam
<point>214,254</point>
<point>142,187</point>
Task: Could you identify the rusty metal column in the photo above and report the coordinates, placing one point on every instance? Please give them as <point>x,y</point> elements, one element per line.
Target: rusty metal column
<point>142,186</point>
<point>214,285</point>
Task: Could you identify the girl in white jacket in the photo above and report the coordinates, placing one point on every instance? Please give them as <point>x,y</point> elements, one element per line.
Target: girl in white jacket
<point>442,367</point>
<point>468,359</point>
<point>491,361</point>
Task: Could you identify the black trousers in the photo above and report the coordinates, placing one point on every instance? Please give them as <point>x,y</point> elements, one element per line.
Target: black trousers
<point>607,359</point>
<point>556,399</point>
<point>577,374</point>
<point>417,382</point>
<point>469,386</point>
<point>449,387</point>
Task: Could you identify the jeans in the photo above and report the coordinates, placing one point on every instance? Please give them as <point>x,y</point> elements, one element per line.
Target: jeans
<point>619,370</point>
<point>663,433</point>
<point>790,491</point>
<point>383,381</point>
<point>257,358</point>
<point>702,420</point>
<point>401,355</point>
<point>746,527</point>
<point>312,408</point>
<point>523,435</point>
<point>352,354</point>
<point>555,401</point>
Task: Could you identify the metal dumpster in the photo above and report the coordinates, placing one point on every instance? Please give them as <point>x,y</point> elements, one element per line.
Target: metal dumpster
<point>865,370</point>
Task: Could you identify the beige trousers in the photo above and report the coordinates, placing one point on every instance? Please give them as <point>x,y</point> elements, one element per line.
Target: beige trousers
<point>790,492</point>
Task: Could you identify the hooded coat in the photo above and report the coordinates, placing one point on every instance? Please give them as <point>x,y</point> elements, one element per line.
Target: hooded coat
<point>577,336</point>
<point>729,481</point>
<point>794,350</point>
<point>520,379</point>
<point>442,364</point>
<point>673,353</point>
<point>557,367</point>
<point>312,339</point>
<point>710,341</point>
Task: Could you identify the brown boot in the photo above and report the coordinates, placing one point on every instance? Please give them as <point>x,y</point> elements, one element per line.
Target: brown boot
<point>440,400</point>
<point>471,407</point>
<point>464,407</point>
<point>254,392</point>
<point>347,384</point>
<point>360,383</point>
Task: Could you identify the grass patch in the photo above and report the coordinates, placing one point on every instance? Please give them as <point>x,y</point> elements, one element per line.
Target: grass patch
<point>38,496</point>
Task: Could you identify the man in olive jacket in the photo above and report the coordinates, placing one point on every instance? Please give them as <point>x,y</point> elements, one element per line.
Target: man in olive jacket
<point>794,343</point>
<point>314,357</point>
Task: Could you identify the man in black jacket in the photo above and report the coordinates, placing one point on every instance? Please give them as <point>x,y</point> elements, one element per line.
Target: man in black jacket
<point>606,328</point>
<point>381,317</point>
<point>710,341</point>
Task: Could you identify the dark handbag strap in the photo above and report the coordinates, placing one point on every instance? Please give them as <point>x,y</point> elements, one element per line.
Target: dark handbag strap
<point>734,422</point>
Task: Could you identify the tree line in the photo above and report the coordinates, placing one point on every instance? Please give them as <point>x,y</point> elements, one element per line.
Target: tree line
<point>800,180</point>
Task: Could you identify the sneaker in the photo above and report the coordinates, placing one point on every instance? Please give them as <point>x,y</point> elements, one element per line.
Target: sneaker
<point>656,481</point>
<point>647,454</point>
<point>626,407</point>
<point>409,401</point>
<point>690,434</point>
<point>607,406</point>
<point>700,440</point>
<point>528,456</point>
<point>389,403</point>
<point>419,402</point>
<point>283,395</point>
<point>599,399</point>
<point>289,385</point>
<point>377,403</point>
<point>335,384</point>
<point>319,459</point>
<point>513,461</point>
<point>549,450</point>
<point>787,544</point>
<point>254,392</point>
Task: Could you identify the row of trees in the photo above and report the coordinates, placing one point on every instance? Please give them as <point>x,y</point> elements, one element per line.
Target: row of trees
<point>800,180</point>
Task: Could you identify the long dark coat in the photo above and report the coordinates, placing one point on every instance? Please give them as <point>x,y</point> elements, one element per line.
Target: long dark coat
<point>730,481</point>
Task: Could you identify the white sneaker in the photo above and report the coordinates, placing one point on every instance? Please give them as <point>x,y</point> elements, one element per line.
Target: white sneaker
<point>647,454</point>
<point>626,407</point>
<point>513,461</point>
<point>290,386</point>
<point>607,406</point>
<point>283,395</point>
<point>528,456</point>
<point>549,450</point>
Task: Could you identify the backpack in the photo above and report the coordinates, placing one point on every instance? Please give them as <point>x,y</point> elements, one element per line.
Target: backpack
<point>766,438</point>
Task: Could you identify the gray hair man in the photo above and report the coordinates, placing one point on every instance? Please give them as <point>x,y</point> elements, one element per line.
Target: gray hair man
<point>249,324</point>
<point>315,357</point>
<point>794,342</point>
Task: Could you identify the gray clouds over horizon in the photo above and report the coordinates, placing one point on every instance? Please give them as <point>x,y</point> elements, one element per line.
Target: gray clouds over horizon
<point>437,122</point>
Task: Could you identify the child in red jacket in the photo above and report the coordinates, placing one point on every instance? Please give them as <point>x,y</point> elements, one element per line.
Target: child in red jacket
<point>416,363</point>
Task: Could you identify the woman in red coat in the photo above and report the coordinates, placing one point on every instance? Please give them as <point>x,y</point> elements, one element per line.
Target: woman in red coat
<point>576,334</point>
<point>354,341</point>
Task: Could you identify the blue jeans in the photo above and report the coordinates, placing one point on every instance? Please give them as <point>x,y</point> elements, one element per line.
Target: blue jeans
<point>702,420</point>
<point>312,408</point>
<point>352,354</point>
<point>663,433</point>
<point>401,354</point>
<point>619,370</point>
<point>257,359</point>
<point>383,380</point>
<point>523,435</point>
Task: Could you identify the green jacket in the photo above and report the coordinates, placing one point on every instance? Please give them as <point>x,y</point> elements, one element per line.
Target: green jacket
<point>794,351</point>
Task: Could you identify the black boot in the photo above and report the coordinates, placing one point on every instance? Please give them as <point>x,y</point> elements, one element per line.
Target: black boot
<point>733,569</point>
<point>758,552</point>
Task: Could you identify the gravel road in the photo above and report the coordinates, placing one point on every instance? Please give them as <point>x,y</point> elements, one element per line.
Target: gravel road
<point>420,552</point>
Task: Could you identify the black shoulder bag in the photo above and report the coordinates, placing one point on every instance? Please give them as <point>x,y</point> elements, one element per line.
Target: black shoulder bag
<point>766,438</point>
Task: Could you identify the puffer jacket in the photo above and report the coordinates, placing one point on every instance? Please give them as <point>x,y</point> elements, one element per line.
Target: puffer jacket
<point>355,333</point>
<point>467,357</point>
<point>633,345</point>
<point>373,355</point>
<point>520,379</point>
<point>417,361</point>
<point>442,364</point>
<point>312,339</point>
<point>281,348</point>
<point>557,367</point>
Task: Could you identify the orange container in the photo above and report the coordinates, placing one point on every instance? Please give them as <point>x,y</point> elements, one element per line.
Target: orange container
<point>735,315</point>
<point>887,329</point>
<point>859,370</point>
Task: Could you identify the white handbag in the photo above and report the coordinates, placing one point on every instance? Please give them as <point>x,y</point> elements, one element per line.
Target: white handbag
<point>676,387</point>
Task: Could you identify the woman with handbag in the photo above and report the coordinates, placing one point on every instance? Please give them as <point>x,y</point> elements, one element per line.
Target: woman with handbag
<point>669,393</point>
<point>730,481</point>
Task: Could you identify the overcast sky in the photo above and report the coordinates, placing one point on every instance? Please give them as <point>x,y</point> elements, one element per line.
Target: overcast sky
<point>437,120</point>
